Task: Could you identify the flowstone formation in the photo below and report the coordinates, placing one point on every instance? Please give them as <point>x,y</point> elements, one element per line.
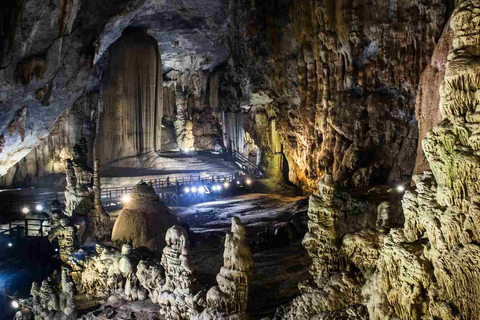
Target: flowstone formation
<point>131,121</point>
<point>229,298</point>
<point>144,220</point>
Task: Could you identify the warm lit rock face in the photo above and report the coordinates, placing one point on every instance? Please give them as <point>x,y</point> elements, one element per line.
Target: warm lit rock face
<point>340,81</point>
<point>429,268</point>
<point>144,220</point>
<point>132,115</point>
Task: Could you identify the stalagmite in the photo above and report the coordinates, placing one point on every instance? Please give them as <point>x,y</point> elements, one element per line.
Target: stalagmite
<point>229,298</point>
<point>144,220</point>
<point>178,299</point>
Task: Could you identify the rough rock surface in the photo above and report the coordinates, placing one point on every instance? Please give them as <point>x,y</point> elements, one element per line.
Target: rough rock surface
<point>427,269</point>
<point>427,105</point>
<point>339,82</point>
<point>144,220</point>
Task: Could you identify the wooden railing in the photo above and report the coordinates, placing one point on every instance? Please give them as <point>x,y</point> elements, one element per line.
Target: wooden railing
<point>30,227</point>
<point>168,189</point>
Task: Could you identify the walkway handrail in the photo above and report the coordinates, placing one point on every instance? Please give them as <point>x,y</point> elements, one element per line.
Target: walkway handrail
<point>238,156</point>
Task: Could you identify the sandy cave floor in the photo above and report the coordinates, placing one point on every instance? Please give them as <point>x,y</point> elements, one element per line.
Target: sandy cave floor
<point>275,226</point>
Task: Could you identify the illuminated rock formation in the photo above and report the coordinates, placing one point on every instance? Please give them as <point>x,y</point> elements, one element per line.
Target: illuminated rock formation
<point>144,220</point>
<point>429,268</point>
<point>51,300</point>
<point>178,299</point>
<point>151,277</point>
<point>229,298</point>
<point>89,219</point>
<point>63,231</point>
<point>132,116</point>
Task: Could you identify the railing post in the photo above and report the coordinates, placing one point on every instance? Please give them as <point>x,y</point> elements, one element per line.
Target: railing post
<point>26,227</point>
<point>177,188</point>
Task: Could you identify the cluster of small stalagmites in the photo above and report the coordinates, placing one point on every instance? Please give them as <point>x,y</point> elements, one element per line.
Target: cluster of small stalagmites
<point>228,299</point>
<point>107,272</point>
<point>52,299</point>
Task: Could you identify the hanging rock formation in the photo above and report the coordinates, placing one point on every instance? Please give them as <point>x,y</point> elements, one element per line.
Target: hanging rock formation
<point>144,220</point>
<point>132,117</point>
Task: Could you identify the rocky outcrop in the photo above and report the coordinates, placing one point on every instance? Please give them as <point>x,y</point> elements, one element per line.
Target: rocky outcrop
<point>427,269</point>
<point>45,164</point>
<point>144,220</point>
<point>179,298</point>
<point>427,105</point>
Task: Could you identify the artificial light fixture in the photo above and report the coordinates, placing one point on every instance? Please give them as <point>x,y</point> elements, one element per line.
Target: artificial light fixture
<point>25,210</point>
<point>226,185</point>
<point>126,198</point>
<point>10,244</point>
<point>186,190</point>
<point>201,190</point>
<point>39,207</point>
<point>248,181</point>
<point>15,304</point>
<point>238,182</point>
<point>400,188</point>
<point>194,189</point>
